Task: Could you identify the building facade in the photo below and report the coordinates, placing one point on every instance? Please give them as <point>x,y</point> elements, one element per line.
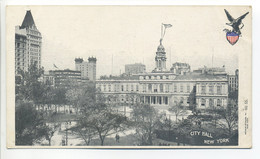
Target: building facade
<point>164,88</point>
<point>180,68</point>
<point>28,42</point>
<point>233,81</point>
<point>134,68</point>
<point>87,69</point>
<point>63,78</point>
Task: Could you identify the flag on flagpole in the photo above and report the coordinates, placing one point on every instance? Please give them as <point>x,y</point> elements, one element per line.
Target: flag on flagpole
<point>167,25</point>
<point>55,66</point>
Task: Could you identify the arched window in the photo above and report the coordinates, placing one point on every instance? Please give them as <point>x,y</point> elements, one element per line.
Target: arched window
<point>181,88</point>
<point>218,102</point>
<point>188,88</point>
<point>203,102</point>
<point>144,87</point>
<point>109,88</point>
<point>127,98</point>
<point>160,63</point>
<point>219,89</point>
<point>155,88</point>
<point>211,103</point>
<point>211,89</point>
<point>203,89</point>
<point>150,87</point>
<point>182,99</point>
<point>175,88</point>
<point>161,87</point>
<point>167,88</point>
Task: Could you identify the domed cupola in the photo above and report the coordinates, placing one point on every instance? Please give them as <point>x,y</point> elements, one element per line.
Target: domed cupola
<point>160,58</point>
<point>160,47</point>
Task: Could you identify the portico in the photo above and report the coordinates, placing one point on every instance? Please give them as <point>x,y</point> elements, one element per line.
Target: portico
<point>156,100</point>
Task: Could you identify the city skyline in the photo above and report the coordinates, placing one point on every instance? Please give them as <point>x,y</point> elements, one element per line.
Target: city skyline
<point>55,43</point>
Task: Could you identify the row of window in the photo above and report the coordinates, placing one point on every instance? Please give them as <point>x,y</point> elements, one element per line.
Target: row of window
<point>34,32</point>
<point>211,102</point>
<point>211,89</point>
<point>18,45</point>
<point>116,88</point>
<point>151,88</point>
<point>154,77</point>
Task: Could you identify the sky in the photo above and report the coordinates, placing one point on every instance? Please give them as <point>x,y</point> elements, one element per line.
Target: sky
<point>131,34</point>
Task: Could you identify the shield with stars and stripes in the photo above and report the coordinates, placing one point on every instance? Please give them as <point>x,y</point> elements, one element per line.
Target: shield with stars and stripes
<point>232,37</point>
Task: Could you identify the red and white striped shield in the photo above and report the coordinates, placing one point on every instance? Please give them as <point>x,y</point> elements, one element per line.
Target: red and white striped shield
<point>232,37</point>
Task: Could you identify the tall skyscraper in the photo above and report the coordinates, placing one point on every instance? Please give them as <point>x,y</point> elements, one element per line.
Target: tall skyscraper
<point>28,42</point>
<point>88,69</point>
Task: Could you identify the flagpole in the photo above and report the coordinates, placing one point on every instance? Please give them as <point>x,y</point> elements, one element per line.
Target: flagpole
<point>162,31</point>
<point>112,65</point>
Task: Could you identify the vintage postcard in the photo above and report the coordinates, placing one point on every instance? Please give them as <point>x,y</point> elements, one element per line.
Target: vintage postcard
<point>129,76</point>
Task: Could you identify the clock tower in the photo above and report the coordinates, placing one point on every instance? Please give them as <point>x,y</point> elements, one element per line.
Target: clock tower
<point>160,58</point>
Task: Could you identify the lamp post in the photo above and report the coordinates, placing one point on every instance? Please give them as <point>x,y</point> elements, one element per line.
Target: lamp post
<point>125,108</point>
<point>66,139</point>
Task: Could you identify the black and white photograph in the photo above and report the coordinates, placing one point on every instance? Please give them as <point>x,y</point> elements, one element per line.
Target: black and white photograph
<point>129,76</point>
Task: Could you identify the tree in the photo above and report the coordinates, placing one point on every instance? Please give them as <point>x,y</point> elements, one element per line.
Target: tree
<point>178,110</point>
<point>230,116</point>
<point>233,95</point>
<point>98,119</point>
<point>104,122</point>
<point>29,124</point>
<point>30,88</point>
<point>59,96</point>
<point>86,133</point>
<point>183,129</point>
<point>145,120</point>
<point>49,131</point>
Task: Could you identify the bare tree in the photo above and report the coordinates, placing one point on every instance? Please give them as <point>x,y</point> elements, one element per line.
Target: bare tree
<point>103,122</point>
<point>50,130</point>
<point>230,116</point>
<point>98,118</point>
<point>178,110</point>
<point>145,120</point>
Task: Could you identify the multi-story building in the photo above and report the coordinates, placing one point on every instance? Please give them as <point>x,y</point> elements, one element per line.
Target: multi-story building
<point>48,79</point>
<point>134,68</point>
<point>28,41</point>
<point>212,70</point>
<point>87,69</point>
<point>180,68</point>
<point>64,78</point>
<point>233,81</point>
<point>164,88</point>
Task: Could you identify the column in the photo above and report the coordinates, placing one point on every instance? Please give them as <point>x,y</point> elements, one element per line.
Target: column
<point>207,88</point>
<point>162,101</point>
<point>197,89</point>
<point>150,99</point>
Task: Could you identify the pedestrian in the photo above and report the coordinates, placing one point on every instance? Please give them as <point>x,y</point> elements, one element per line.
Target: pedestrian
<point>117,138</point>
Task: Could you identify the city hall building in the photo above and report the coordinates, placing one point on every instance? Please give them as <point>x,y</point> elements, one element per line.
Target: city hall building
<point>163,88</point>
